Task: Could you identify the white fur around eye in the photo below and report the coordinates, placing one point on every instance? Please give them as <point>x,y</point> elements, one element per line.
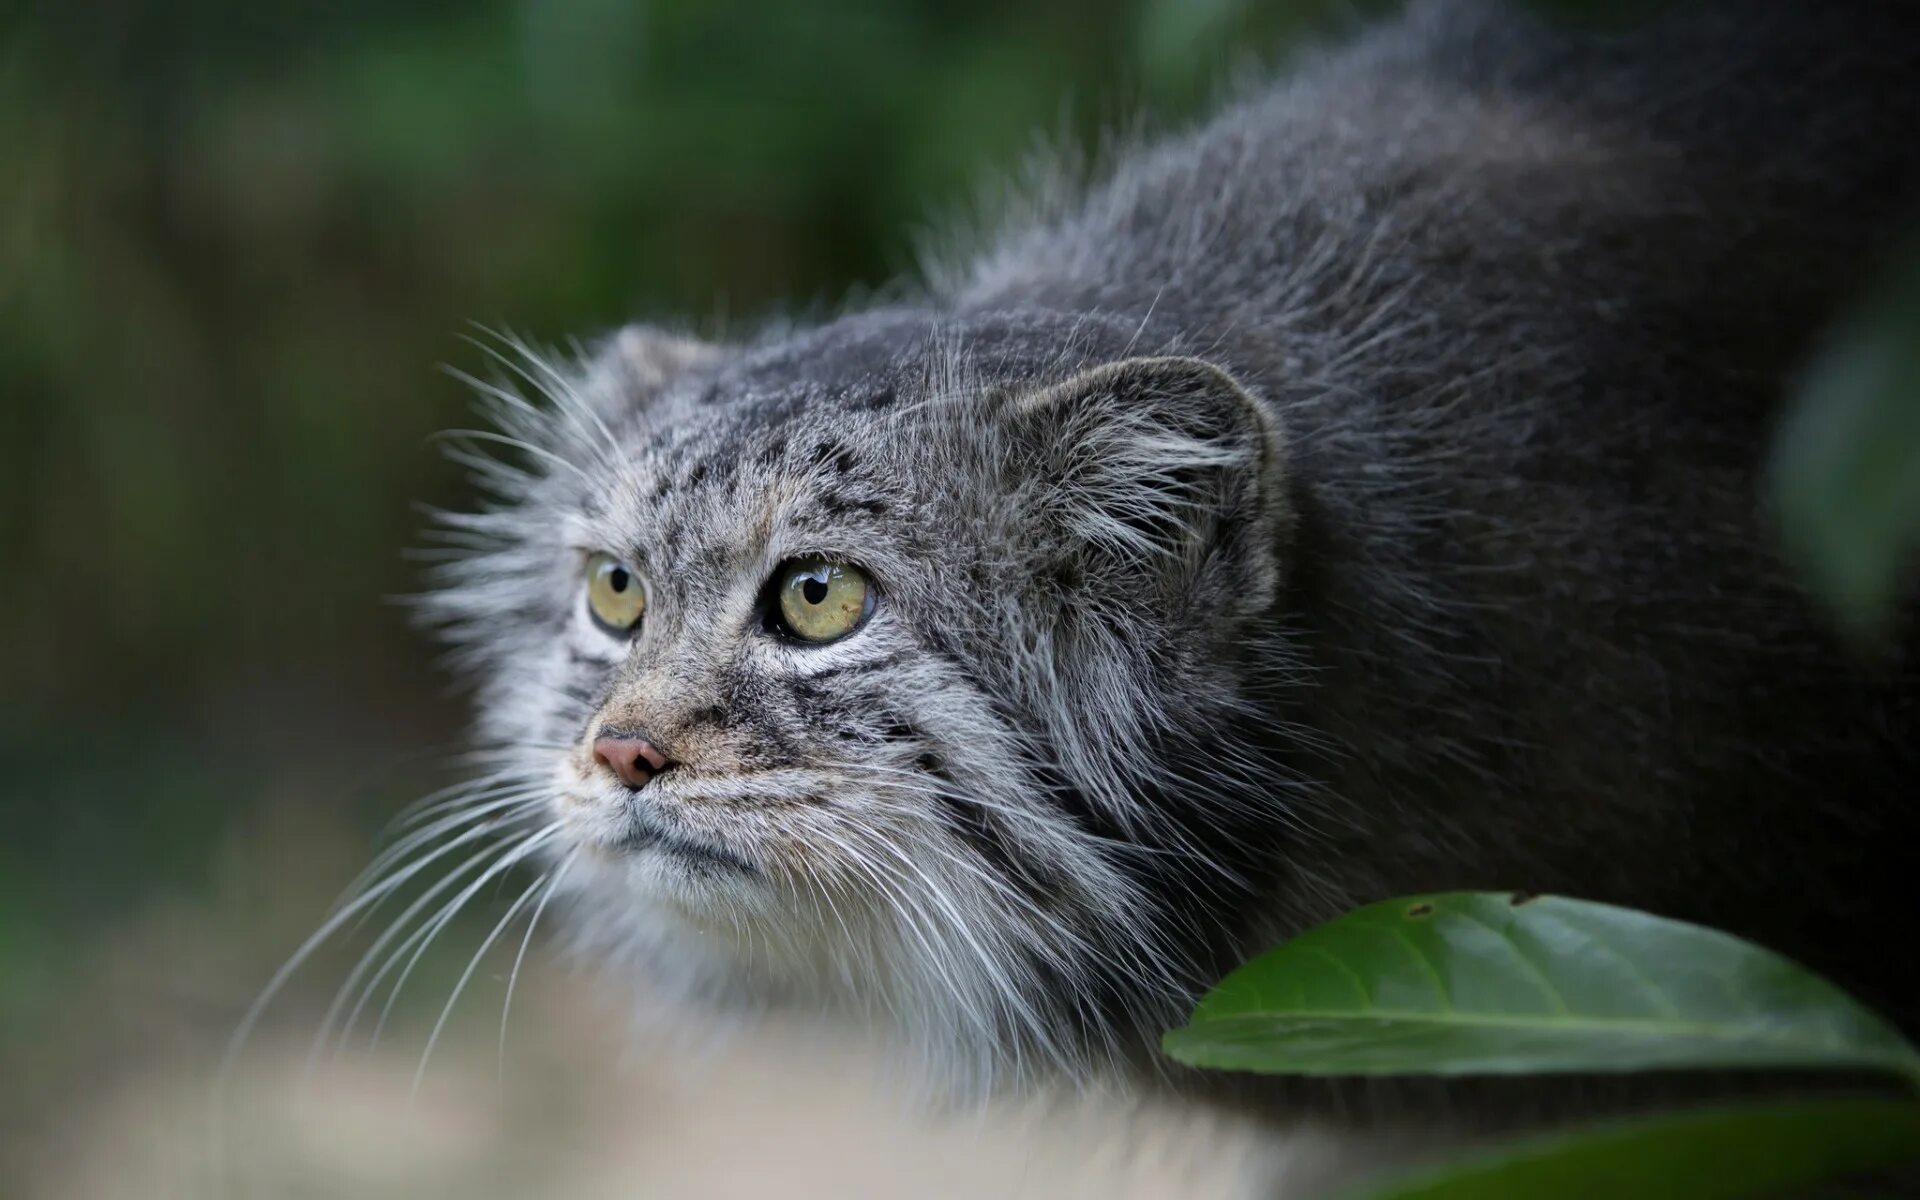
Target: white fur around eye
<point>587,639</point>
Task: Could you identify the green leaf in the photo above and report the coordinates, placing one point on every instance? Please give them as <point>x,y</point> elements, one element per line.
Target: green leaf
<point>1462,983</point>
<point>1846,465</point>
<point>1743,1150</point>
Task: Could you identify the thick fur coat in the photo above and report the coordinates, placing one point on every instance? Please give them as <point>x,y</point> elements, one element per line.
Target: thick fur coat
<point>1359,494</point>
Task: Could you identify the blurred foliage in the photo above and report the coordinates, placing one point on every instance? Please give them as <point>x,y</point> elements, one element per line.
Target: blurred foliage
<point>235,240</point>
<point>1847,466</point>
<point>1756,1149</point>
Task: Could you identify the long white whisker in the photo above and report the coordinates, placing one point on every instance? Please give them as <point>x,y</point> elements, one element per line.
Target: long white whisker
<point>525,447</point>
<point>1012,995</point>
<point>372,897</point>
<point>425,807</point>
<point>904,904</point>
<point>460,985</point>
<point>512,858</point>
<point>559,391</point>
<point>513,977</point>
<point>394,929</point>
<point>441,827</point>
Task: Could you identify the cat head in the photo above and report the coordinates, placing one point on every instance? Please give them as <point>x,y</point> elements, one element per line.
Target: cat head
<point>882,668</point>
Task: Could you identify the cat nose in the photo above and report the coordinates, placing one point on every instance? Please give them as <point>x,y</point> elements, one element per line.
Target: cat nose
<point>634,759</point>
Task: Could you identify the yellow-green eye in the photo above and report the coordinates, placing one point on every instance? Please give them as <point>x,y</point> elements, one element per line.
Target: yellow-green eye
<point>614,595</point>
<point>821,601</point>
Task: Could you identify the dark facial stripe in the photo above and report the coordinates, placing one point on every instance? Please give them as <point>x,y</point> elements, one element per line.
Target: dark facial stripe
<point>886,662</point>
<point>577,658</point>
<point>840,506</point>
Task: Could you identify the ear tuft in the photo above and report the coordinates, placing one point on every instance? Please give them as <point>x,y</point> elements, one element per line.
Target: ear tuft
<point>1164,470</point>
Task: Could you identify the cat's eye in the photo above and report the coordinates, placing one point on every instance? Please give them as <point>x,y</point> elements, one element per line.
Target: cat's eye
<point>821,601</point>
<point>615,598</point>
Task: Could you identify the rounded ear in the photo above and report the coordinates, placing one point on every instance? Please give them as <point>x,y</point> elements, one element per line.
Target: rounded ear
<point>1162,471</point>
<point>653,358</point>
<point>623,373</point>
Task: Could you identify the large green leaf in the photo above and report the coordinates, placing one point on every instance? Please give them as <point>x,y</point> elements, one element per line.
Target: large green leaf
<point>1462,983</point>
<point>1714,1154</point>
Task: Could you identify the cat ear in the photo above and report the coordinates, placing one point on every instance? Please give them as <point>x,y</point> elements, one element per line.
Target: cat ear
<point>1162,471</point>
<point>624,372</point>
<point>651,358</point>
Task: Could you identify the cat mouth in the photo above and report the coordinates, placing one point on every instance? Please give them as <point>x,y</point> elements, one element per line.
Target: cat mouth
<point>640,837</point>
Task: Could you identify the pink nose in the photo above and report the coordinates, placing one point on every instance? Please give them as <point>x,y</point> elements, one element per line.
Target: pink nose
<point>634,759</point>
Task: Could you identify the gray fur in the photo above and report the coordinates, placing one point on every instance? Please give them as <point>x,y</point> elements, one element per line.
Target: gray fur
<point>1357,495</point>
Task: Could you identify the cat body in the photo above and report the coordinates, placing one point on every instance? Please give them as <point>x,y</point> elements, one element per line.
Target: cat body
<point>1359,495</point>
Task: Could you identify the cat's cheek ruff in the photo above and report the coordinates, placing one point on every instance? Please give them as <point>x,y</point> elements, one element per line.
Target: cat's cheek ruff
<point>902,925</point>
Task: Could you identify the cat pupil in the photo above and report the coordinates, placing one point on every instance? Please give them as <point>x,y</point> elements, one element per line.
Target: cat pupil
<point>815,591</point>
<point>617,580</point>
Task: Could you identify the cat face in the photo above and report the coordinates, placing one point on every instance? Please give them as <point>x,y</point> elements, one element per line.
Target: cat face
<point>853,669</point>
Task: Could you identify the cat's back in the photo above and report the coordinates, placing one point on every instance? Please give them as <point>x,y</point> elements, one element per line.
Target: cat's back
<point>1529,296</point>
<point>1527,302</point>
<point>1479,160</point>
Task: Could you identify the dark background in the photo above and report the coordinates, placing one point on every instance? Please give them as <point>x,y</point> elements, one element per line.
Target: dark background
<point>236,240</point>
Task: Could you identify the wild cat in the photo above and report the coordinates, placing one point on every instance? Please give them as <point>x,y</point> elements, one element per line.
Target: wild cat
<point>1358,494</point>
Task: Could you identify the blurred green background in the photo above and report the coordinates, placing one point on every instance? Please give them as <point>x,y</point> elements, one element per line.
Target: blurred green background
<point>235,242</point>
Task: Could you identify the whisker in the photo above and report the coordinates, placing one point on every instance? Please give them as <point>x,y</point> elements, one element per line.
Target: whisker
<point>460,985</point>
<point>371,898</point>
<point>456,436</point>
<point>395,927</point>
<point>513,977</point>
<point>558,390</point>
<point>422,809</point>
<point>445,825</point>
<point>512,858</point>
